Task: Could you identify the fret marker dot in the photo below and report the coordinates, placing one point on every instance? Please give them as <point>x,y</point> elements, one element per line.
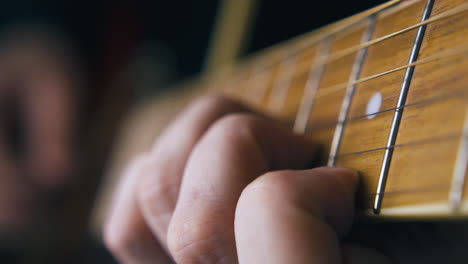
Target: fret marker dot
<point>373,105</point>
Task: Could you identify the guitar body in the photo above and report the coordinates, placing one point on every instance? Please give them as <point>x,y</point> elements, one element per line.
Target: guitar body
<point>386,93</point>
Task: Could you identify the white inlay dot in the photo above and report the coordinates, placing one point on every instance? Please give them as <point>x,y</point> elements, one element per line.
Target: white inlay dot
<point>373,106</point>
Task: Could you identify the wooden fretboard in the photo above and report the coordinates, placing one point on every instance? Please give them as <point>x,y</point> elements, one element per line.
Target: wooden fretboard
<point>386,93</point>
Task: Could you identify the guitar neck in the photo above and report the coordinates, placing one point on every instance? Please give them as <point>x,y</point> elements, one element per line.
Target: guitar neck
<point>385,92</point>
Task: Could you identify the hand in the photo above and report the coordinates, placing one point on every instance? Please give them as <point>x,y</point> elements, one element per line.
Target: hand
<point>37,97</point>
<point>226,185</point>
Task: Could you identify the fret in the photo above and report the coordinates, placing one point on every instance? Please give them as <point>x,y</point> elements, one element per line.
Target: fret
<point>367,127</point>
<point>311,87</point>
<point>335,72</point>
<point>299,82</point>
<point>459,173</point>
<point>304,42</point>
<point>447,93</point>
<point>354,140</point>
<point>429,164</point>
<point>441,37</point>
<point>280,89</point>
<point>325,111</point>
<point>350,89</point>
<point>399,111</point>
<point>443,16</point>
<point>384,56</point>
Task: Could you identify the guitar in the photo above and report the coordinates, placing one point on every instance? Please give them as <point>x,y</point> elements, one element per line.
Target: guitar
<point>384,92</point>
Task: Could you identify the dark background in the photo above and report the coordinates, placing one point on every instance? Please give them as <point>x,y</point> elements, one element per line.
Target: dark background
<point>183,28</point>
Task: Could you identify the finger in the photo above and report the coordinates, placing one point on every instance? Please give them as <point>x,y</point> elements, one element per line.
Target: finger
<point>159,184</point>
<point>295,216</point>
<point>234,151</point>
<point>126,233</point>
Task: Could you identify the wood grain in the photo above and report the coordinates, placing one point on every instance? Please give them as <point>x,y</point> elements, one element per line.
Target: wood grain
<point>437,103</point>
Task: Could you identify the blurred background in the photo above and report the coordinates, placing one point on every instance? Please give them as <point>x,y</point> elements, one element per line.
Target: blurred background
<point>71,74</point>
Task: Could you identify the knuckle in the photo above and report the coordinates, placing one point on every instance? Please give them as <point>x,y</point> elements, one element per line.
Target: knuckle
<point>153,190</point>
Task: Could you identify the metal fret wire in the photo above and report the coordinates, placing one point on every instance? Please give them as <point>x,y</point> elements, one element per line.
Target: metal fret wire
<point>280,90</point>
<point>310,89</point>
<point>338,87</point>
<point>448,137</point>
<point>317,37</point>
<point>457,93</point>
<point>399,111</point>
<point>460,169</point>
<point>345,106</point>
<point>325,59</point>
<point>411,143</point>
<point>350,50</point>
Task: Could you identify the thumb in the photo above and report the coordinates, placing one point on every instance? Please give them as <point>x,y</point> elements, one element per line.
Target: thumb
<point>295,216</point>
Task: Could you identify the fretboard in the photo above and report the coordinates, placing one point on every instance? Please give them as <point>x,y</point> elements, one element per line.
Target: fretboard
<point>385,92</point>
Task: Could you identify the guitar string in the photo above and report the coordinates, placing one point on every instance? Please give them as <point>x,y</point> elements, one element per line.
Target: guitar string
<point>446,137</point>
<point>442,55</point>
<point>348,51</point>
<point>309,90</point>
<point>317,37</point>
<point>429,188</point>
<point>459,93</point>
<point>349,92</point>
<point>323,92</point>
<point>281,87</point>
<point>447,14</point>
<point>451,52</point>
<point>338,87</point>
<point>449,137</point>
